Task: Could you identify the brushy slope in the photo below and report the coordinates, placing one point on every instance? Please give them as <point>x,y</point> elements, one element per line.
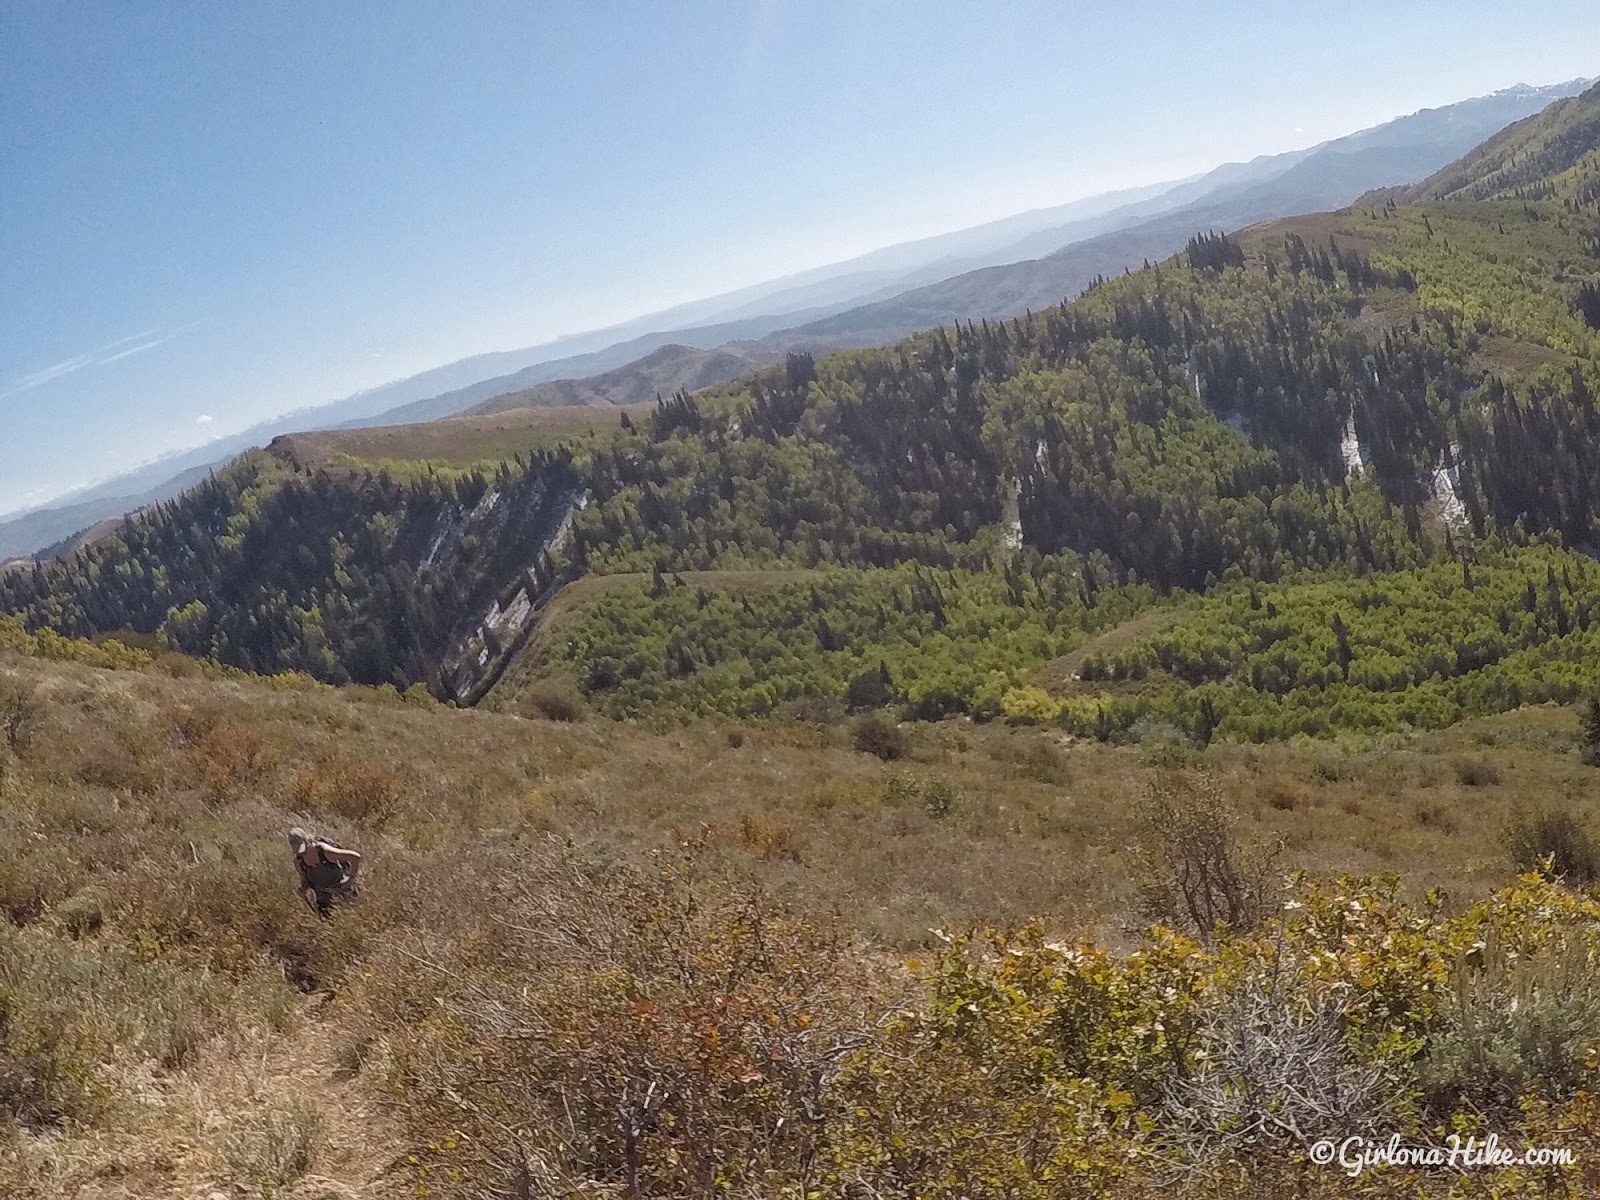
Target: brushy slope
<point>1331,478</point>
<point>706,927</point>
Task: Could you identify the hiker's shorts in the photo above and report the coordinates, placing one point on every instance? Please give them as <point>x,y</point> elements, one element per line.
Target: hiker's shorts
<point>327,898</point>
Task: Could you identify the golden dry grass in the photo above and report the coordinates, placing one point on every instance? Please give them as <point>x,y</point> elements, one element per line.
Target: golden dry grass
<point>1053,807</point>
<point>454,441</point>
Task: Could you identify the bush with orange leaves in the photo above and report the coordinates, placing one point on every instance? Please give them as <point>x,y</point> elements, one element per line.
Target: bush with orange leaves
<point>630,1027</point>
<point>220,757</point>
<point>356,789</point>
<point>634,1033</point>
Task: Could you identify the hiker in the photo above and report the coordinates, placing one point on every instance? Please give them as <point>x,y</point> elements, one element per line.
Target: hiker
<point>327,871</point>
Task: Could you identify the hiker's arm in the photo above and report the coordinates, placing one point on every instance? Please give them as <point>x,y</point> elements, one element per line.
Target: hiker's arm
<point>308,894</point>
<point>349,858</point>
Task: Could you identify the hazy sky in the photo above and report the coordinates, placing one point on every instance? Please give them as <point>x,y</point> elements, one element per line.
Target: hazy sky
<point>214,213</point>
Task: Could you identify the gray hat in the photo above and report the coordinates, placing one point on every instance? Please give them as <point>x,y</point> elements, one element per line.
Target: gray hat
<point>299,838</point>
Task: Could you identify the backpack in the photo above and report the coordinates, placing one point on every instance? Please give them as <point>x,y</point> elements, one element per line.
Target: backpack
<point>325,875</point>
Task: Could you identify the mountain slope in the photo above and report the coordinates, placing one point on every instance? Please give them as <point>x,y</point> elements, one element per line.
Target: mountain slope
<point>1523,160</point>
<point>983,497</point>
<point>1231,197</point>
<point>1365,391</point>
<point>669,369</point>
<point>1327,486</point>
<point>1331,176</point>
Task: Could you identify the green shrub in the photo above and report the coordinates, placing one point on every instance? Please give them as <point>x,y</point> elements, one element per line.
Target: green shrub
<point>937,795</point>
<point>46,1066</point>
<point>872,688</point>
<point>278,1147</point>
<point>556,700</point>
<point>82,914</point>
<point>940,796</point>
<point>1553,842</point>
<point>878,734</point>
<point>1515,1024</point>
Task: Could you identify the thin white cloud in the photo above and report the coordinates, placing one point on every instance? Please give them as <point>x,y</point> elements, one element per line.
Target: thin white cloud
<point>203,419</point>
<point>122,348</point>
<point>139,349</point>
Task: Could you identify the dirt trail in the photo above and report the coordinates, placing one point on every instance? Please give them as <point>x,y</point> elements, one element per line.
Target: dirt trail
<point>1060,675</point>
<point>359,1150</point>
<point>215,1131</point>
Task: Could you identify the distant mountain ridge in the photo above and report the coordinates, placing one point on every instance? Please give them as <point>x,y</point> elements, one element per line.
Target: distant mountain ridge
<point>1235,195</point>
<point>663,371</point>
<point>1328,177</point>
<point>1523,160</point>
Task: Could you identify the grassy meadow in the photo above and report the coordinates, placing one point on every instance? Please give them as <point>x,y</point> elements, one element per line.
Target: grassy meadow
<point>456,443</point>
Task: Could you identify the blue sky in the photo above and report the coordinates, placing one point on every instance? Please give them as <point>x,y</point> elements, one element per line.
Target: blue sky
<point>214,213</point>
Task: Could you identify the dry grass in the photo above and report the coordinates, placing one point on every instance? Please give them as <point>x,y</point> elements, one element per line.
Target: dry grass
<point>1511,358</point>
<point>455,441</point>
<point>414,779</point>
<point>142,823</point>
<point>1315,229</point>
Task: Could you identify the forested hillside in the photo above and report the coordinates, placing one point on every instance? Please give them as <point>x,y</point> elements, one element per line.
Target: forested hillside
<point>1349,395</point>
<point>342,576</point>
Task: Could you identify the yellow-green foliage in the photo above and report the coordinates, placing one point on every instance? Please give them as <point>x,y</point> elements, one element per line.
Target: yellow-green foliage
<point>1496,267</point>
<point>14,635</point>
<point>1417,649</point>
<point>931,642</point>
<point>47,643</point>
<point>1030,706</point>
